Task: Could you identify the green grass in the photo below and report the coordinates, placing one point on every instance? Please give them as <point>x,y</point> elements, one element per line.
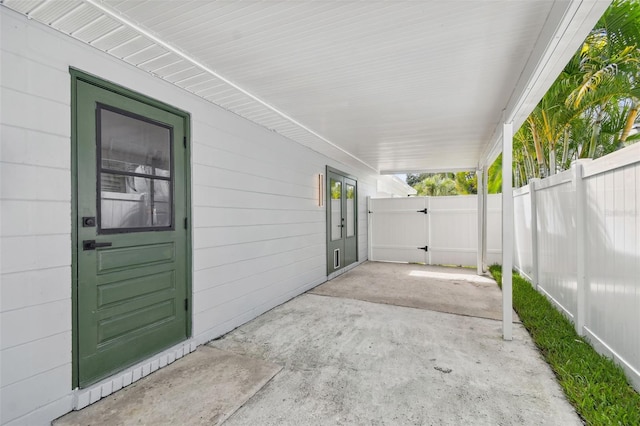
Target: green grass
<point>593,384</point>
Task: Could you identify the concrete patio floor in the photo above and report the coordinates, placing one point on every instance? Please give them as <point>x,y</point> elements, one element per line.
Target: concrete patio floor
<point>436,288</point>
<point>333,358</point>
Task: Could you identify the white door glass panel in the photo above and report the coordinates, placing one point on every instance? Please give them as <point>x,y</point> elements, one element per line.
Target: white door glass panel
<point>351,214</point>
<point>336,209</point>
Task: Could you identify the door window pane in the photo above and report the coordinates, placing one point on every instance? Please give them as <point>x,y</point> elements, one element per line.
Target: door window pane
<point>351,214</point>
<point>135,179</point>
<point>133,145</point>
<point>134,202</point>
<point>161,212</point>
<point>335,187</point>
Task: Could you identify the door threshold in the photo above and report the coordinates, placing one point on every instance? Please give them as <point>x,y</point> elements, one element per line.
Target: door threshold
<point>92,394</point>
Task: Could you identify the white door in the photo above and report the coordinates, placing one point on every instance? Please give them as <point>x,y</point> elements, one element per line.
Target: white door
<point>399,229</point>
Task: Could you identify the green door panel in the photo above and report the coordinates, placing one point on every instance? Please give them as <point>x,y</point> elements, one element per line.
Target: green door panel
<point>132,177</point>
<point>342,220</point>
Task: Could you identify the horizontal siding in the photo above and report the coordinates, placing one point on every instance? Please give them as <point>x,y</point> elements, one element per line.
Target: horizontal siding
<point>37,183</point>
<point>35,312</point>
<point>30,288</point>
<point>26,217</point>
<point>46,116</point>
<point>258,232</point>
<point>32,323</point>
<point>221,294</point>
<point>35,252</point>
<point>216,236</point>
<point>234,180</point>
<point>25,361</point>
<point>34,392</point>
<point>24,146</point>
<point>24,74</point>
<point>222,216</point>
<point>208,196</point>
<point>258,301</point>
<point>218,275</point>
<point>234,253</point>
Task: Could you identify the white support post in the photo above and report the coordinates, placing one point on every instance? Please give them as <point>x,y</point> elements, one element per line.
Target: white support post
<point>369,230</point>
<point>480,260</point>
<point>533,188</point>
<point>427,217</point>
<point>485,201</point>
<point>507,231</point>
<point>581,282</point>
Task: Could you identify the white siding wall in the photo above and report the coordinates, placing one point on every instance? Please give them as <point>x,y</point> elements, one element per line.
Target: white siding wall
<point>35,228</point>
<point>258,232</point>
<point>610,187</point>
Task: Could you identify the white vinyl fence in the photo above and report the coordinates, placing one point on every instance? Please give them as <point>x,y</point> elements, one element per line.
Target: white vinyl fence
<point>401,230</point>
<point>577,238</point>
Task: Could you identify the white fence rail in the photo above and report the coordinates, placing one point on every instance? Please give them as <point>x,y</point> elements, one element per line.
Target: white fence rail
<point>577,238</point>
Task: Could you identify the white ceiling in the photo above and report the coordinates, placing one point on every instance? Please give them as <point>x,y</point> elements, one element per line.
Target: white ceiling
<point>395,85</point>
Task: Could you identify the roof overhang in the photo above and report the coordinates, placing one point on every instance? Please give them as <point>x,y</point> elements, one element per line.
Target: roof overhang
<point>392,86</point>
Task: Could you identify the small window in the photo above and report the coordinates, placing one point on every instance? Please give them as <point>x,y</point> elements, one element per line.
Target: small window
<point>135,166</point>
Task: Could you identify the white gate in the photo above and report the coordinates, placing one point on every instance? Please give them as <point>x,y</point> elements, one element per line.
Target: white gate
<point>398,229</point>
<point>446,234</point>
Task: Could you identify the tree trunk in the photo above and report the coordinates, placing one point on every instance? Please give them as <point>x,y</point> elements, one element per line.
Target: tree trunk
<point>528,164</point>
<point>565,147</point>
<point>595,133</point>
<point>538,146</point>
<point>631,119</point>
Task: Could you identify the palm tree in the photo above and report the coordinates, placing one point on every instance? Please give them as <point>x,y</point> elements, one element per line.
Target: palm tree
<point>436,185</point>
<point>592,107</point>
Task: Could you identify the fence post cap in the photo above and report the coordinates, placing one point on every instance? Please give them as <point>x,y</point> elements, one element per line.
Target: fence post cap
<point>581,161</point>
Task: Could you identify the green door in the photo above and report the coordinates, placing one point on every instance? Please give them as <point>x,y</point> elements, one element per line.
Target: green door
<point>342,220</point>
<point>132,242</point>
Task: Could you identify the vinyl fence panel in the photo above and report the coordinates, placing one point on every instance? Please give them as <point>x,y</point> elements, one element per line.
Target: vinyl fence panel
<point>581,239</point>
<point>612,266</point>
<point>523,245</point>
<point>555,211</point>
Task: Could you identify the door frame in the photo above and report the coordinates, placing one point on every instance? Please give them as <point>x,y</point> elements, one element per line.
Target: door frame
<point>327,195</point>
<point>76,76</point>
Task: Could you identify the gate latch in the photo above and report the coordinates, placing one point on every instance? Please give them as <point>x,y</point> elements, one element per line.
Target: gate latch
<point>425,248</point>
<point>92,245</point>
<point>422,211</point>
